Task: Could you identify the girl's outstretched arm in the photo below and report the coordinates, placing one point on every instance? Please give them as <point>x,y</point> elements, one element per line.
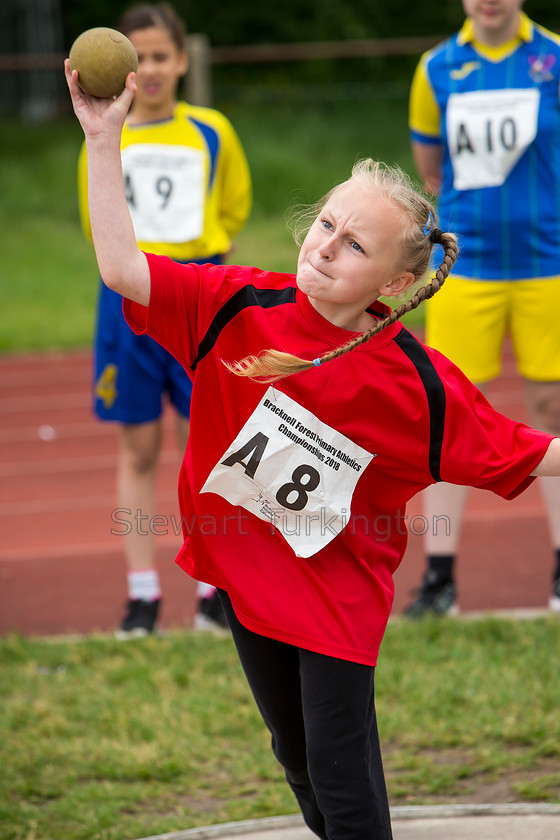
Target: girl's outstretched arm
<point>550,464</point>
<point>122,265</point>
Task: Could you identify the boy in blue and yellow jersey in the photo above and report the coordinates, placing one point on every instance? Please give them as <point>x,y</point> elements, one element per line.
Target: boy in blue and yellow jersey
<point>189,193</point>
<point>485,130</point>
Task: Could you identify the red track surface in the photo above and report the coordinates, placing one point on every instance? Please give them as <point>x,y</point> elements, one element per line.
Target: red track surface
<point>61,569</point>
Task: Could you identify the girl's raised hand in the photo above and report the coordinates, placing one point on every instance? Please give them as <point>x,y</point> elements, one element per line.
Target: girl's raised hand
<point>99,116</point>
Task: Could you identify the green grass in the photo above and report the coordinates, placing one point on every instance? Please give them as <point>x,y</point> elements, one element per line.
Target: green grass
<point>48,270</point>
<point>296,152</point>
<point>105,741</point>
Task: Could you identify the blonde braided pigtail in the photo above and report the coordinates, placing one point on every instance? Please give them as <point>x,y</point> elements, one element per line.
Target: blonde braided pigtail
<point>418,238</point>
<point>271,365</point>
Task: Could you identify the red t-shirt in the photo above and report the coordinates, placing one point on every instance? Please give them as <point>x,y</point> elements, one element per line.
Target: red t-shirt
<point>293,496</point>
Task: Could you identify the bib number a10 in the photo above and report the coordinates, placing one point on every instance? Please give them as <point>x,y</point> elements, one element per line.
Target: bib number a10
<point>487,132</point>
<point>292,470</point>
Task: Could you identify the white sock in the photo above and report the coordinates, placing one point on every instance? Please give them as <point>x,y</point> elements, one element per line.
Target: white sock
<point>143,585</point>
<point>204,590</point>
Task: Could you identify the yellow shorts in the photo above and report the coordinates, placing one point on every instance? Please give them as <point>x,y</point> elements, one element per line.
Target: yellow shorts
<point>467,321</point>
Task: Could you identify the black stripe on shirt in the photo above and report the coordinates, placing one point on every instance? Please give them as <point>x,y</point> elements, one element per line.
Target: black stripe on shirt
<point>435,393</point>
<point>247,296</point>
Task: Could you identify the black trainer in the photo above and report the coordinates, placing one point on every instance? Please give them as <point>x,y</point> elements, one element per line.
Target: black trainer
<point>140,619</point>
<point>434,597</point>
<point>210,616</point>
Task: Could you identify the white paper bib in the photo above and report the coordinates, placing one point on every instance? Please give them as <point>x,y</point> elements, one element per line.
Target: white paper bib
<point>290,469</point>
<point>164,188</point>
<point>488,131</point>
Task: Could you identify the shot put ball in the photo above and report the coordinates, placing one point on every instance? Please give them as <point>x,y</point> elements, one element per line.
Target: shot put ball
<point>103,58</point>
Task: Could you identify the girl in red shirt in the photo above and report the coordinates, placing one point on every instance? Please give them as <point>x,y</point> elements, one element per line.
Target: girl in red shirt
<point>315,417</point>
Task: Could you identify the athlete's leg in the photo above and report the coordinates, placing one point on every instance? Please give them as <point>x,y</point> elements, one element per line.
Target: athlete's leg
<point>209,616</point>
<point>272,671</point>
<point>130,380</point>
<point>140,445</point>
<point>535,338</point>
<point>321,715</point>
<point>343,752</point>
<point>444,506</point>
<point>543,405</point>
<point>182,428</point>
<point>473,342</point>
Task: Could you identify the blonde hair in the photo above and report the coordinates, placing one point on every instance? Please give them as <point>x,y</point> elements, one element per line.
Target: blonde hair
<point>418,237</point>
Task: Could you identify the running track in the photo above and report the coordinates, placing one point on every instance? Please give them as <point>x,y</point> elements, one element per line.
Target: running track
<point>62,571</point>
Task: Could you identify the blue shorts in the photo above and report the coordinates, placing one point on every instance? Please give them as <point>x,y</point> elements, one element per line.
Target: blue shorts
<point>133,373</point>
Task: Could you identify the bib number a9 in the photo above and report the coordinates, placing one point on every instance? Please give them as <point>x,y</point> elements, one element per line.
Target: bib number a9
<point>165,191</point>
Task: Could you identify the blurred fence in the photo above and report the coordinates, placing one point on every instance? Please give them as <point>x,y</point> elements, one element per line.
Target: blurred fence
<point>203,56</point>
<point>29,27</point>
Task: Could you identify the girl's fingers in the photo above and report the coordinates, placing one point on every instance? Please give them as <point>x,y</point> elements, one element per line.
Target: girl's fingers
<point>99,115</point>
<point>127,95</point>
<point>71,80</point>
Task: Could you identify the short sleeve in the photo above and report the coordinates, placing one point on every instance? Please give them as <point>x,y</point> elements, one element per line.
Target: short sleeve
<point>424,113</point>
<point>483,448</point>
<point>171,316</point>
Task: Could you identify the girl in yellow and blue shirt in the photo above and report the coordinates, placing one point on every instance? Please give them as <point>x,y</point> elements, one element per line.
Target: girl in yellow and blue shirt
<point>188,190</point>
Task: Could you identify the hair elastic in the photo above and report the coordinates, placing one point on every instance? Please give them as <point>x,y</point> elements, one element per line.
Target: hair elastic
<point>429,224</point>
<point>316,362</point>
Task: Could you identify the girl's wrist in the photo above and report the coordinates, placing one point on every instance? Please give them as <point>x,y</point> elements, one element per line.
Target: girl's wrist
<point>103,141</point>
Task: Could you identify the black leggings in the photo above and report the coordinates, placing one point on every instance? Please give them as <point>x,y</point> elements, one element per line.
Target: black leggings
<point>321,714</point>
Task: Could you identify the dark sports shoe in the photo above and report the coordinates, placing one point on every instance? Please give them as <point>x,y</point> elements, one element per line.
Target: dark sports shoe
<point>433,598</point>
<point>210,616</point>
<point>140,619</point>
<point>554,602</point>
